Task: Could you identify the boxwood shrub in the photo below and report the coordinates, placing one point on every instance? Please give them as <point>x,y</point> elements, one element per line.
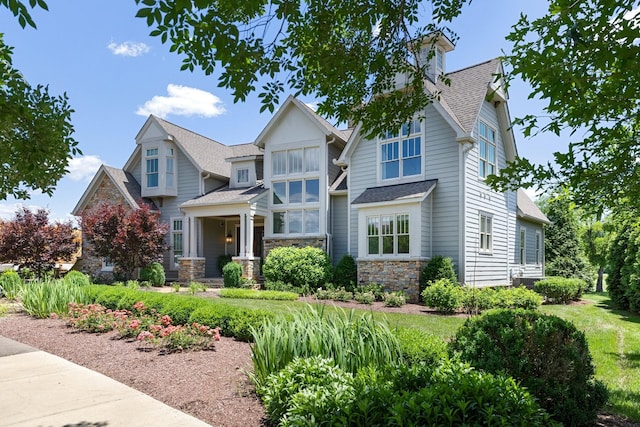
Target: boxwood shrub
<point>546,354</point>
<point>232,275</point>
<point>560,290</point>
<point>445,295</point>
<point>301,267</point>
<point>438,267</point>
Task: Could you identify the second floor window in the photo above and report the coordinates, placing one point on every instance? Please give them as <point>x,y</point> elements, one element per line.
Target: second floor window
<point>401,152</point>
<point>170,168</point>
<point>487,151</point>
<point>152,167</point>
<point>243,176</point>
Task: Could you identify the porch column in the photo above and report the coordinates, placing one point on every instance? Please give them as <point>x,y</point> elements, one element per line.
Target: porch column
<point>193,238</point>
<point>243,234</point>
<point>250,235</point>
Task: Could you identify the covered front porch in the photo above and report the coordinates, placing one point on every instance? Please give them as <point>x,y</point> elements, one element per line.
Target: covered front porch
<point>222,224</point>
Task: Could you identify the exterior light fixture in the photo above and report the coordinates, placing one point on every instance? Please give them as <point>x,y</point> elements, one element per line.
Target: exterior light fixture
<point>229,238</point>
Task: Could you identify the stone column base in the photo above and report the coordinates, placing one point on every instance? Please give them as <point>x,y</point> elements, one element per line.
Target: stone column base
<point>250,266</point>
<point>190,269</point>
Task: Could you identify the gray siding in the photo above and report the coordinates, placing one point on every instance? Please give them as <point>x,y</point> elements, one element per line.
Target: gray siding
<point>362,174</point>
<point>442,163</point>
<point>214,245</point>
<point>426,213</point>
<point>333,170</point>
<point>339,229</point>
<point>493,268</point>
<point>530,268</point>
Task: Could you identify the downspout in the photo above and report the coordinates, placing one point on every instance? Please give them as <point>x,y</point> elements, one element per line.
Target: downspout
<point>207,176</point>
<point>327,210</point>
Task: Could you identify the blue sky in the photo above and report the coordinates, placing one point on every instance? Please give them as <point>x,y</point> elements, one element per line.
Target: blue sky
<point>115,74</point>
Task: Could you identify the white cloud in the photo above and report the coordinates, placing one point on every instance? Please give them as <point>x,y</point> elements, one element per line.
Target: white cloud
<point>533,193</point>
<point>183,101</point>
<point>8,210</point>
<point>83,168</point>
<point>128,48</point>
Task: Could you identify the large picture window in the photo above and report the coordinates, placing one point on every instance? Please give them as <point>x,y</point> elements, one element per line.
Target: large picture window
<point>401,152</point>
<point>295,191</point>
<point>486,233</point>
<point>388,234</point>
<point>486,151</point>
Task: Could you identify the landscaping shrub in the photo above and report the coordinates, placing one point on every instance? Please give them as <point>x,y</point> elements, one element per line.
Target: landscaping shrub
<point>351,341</point>
<point>546,354</point>
<point>222,261</point>
<point>154,274</point>
<point>279,285</point>
<point>419,346</point>
<point>10,283</point>
<point>346,273</point>
<point>560,290</point>
<point>376,289</point>
<point>477,300</point>
<point>254,294</point>
<point>444,295</point>
<point>342,294</point>
<point>520,297</point>
<point>324,294</point>
<point>303,267</point>
<point>181,307</point>
<point>315,391</point>
<point>394,299</point>
<point>364,297</point>
<point>308,391</point>
<point>232,275</point>
<point>77,278</point>
<point>438,267</point>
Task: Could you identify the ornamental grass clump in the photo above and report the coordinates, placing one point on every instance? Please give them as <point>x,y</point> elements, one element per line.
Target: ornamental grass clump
<point>10,284</point>
<point>350,341</point>
<point>42,298</point>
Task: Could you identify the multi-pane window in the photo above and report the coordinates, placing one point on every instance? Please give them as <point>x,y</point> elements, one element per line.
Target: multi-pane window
<point>388,234</point>
<point>486,236</point>
<point>243,176</point>
<point>296,191</point>
<point>538,247</point>
<point>486,151</point>
<point>401,152</point>
<point>176,239</point>
<point>439,61</point>
<point>170,167</point>
<point>522,254</point>
<point>152,167</point>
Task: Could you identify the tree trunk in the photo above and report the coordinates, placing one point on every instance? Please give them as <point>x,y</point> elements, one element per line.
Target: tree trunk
<point>599,283</point>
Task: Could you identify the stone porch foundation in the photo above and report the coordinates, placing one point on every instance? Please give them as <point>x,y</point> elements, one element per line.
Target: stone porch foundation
<point>395,275</point>
<point>250,266</point>
<point>190,269</point>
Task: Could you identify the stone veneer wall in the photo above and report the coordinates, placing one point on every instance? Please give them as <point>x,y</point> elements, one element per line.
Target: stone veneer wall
<point>394,275</point>
<point>190,269</point>
<point>88,262</point>
<point>316,242</point>
<point>250,267</point>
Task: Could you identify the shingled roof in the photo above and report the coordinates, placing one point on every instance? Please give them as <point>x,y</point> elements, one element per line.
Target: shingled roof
<point>226,195</point>
<point>388,193</point>
<point>468,90</point>
<point>528,210</point>
<point>207,154</point>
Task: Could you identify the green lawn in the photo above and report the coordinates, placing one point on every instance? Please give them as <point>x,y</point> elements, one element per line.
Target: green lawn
<point>613,335</point>
<point>614,341</point>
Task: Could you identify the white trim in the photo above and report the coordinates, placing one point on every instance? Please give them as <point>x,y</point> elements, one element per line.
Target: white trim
<point>415,236</point>
<point>522,245</point>
<point>490,216</point>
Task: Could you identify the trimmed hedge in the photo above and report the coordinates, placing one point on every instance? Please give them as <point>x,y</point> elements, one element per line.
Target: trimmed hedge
<point>438,267</point>
<point>233,321</point>
<point>254,294</point>
<point>546,354</point>
<point>232,275</point>
<point>560,290</point>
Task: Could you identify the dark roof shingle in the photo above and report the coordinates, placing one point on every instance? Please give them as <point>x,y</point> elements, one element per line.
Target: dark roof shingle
<point>396,192</point>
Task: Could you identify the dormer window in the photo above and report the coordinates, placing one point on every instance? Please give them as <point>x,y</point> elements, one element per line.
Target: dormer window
<point>439,61</point>
<point>243,176</point>
<point>152,167</point>
<point>401,152</point>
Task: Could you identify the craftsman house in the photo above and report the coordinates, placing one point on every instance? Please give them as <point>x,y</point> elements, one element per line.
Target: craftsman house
<point>391,201</point>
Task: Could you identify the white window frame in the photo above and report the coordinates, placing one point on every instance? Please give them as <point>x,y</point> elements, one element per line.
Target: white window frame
<point>384,231</point>
<point>150,157</point>
<point>522,249</point>
<point>538,247</point>
<point>107,264</point>
<point>486,165</point>
<point>412,134</point>
<point>301,165</point>
<point>242,173</point>
<point>170,164</point>
<point>485,238</point>
<point>175,232</point>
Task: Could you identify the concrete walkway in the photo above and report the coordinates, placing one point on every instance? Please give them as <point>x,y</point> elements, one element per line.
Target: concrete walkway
<point>40,389</point>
